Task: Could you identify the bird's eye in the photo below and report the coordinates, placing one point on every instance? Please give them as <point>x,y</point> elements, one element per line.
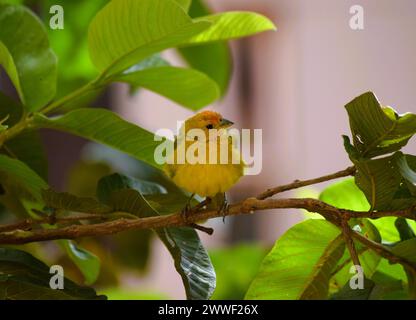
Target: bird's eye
<point>210,126</point>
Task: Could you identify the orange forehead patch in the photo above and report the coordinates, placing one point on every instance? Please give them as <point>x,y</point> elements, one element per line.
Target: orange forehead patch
<point>210,116</point>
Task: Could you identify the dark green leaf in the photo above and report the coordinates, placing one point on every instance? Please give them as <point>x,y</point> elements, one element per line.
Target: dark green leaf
<point>191,259</point>
<point>27,146</point>
<point>69,202</point>
<point>375,130</point>
<point>25,277</point>
<point>15,172</point>
<point>26,56</point>
<point>380,287</point>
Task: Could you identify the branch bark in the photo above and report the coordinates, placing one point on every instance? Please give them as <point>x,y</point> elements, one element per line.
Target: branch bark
<point>20,233</point>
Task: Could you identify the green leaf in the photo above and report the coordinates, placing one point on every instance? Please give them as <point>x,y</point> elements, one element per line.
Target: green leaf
<point>375,130</point>
<point>213,59</point>
<point>231,25</point>
<point>187,87</point>
<point>405,230</point>
<point>15,172</point>
<point>185,4</point>
<point>69,202</point>
<point>191,259</point>
<point>26,56</point>
<point>125,32</point>
<point>23,277</point>
<point>345,195</point>
<point>407,250</point>
<point>383,184</point>
<point>380,287</point>
<point>27,146</point>
<point>300,264</point>
<point>105,127</point>
<point>89,264</point>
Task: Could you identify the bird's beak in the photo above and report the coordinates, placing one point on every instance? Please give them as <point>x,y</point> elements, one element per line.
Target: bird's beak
<point>224,123</point>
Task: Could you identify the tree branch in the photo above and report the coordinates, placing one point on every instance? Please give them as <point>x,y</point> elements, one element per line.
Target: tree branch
<point>299,184</point>
<point>20,233</point>
<point>332,214</point>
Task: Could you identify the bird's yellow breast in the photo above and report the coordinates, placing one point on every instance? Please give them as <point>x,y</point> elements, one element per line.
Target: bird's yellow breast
<point>206,179</point>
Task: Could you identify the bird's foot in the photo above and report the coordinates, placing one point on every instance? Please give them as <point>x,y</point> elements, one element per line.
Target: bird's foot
<point>186,212</point>
<point>224,209</point>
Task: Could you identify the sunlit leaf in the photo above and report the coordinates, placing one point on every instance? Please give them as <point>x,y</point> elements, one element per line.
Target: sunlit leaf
<point>300,264</point>
<point>231,25</point>
<point>125,32</point>
<point>187,87</point>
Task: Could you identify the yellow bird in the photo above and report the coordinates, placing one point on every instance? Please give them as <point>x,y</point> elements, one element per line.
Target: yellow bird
<point>217,174</point>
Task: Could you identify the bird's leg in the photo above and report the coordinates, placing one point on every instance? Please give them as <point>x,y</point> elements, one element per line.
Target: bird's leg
<point>224,209</point>
<point>187,210</point>
<point>221,204</point>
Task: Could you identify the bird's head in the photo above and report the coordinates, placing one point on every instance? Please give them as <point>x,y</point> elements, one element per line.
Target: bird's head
<point>207,120</point>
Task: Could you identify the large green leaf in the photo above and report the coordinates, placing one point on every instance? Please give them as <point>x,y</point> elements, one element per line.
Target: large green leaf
<point>15,172</point>
<point>105,127</point>
<point>231,25</point>
<point>300,264</point>
<point>187,87</point>
<point>345,195</point>
<point>125,32</point>
<point>376,130</point>
<point>191,259</point>
<point>214,59</point>
<point>27,146</point>
<point>26,56</point>
<point>24,277</point>
<point>185,4</point>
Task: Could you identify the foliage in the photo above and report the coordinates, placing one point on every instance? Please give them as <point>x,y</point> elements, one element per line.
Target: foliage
<point>385,183</point>
<point>124,42</point>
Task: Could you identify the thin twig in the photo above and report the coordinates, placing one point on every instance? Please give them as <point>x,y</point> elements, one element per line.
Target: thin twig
<point>299,184</point>
<point>28,224</point>
<point>346,231</point>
